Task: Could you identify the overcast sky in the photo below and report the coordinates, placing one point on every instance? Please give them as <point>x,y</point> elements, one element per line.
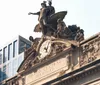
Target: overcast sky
<point>14,18</point>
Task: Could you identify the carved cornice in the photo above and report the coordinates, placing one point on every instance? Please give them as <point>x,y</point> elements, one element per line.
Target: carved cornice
<point>75,75</point>
<point>90,50</point>
<point>90,38</point>
<point>80,75</point>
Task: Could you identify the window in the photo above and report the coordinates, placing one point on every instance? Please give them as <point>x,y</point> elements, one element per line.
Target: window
<point>10,69</point>
<point>20,59</point>
<point>4,72</point>
<point>5,55</point>
<point>0,74</point>
<point>7,70</point>
<point>22,46</point>
<point>15,48</point>
<point>10,52</point>
<point>0,57</point>
<point>14,65</point>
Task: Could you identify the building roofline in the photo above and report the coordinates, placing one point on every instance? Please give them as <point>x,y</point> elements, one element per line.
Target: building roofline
<point>90,38</point>
<point>10,41</point>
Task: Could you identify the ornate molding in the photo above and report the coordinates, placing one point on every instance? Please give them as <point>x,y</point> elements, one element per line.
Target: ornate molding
<point>90,51</point>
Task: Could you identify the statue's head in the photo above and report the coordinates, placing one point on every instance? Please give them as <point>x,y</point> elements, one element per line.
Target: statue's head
<point>50,2</point>
<point>31,39</point>
<point>43,4</point>
<point>81,30</point>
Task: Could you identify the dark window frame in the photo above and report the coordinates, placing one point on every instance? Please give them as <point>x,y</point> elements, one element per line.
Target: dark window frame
<point>9,49</point>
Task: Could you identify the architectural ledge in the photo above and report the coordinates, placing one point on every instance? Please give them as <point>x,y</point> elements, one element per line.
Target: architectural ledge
<point>90,38</point>
<point>81,72</point>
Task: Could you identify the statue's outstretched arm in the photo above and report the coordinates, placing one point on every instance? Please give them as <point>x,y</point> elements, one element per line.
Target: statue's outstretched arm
<point>38,13</point>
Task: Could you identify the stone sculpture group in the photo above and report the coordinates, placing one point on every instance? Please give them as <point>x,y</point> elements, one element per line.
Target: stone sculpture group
<point>52,24</point>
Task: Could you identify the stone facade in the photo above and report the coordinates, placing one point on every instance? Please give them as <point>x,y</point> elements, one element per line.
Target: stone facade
<point>71,64</point>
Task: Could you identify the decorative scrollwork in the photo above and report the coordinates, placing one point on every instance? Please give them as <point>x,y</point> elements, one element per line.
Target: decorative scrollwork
<point>90,51</point>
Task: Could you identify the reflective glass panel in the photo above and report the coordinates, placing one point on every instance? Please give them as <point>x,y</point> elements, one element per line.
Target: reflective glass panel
<point>5,55</point>
<point>15,48</point>
<point>0,57</point>
<point>10,52</point>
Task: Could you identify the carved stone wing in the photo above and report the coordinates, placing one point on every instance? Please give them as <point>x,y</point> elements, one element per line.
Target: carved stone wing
<point>56,16</point>
<point>52,20</point>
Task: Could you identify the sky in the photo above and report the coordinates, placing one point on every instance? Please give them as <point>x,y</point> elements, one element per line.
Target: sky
<point>14,18</point>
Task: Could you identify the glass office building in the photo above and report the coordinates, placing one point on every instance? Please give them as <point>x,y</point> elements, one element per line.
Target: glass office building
<point>11,56</point>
